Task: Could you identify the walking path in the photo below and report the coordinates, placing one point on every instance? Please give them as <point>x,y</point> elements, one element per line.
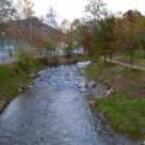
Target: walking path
<point>126,65</point>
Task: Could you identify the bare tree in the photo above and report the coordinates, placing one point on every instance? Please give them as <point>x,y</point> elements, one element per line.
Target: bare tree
<point>96,8</point>
<point>25,8</point>
<point>51,18</point>
<point>7,11</point>
<point>65,25</point>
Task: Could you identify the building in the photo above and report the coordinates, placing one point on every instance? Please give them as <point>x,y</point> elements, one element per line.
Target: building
<point>28,35</point>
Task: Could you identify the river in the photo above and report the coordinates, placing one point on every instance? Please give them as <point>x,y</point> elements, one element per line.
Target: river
<point>54,111</point>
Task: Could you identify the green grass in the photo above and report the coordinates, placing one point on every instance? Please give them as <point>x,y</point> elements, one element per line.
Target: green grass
<point>101,71</point>
<point>11,79</point>
<point>15,77</point>
<point>126,107</point>
<point>127,116</point>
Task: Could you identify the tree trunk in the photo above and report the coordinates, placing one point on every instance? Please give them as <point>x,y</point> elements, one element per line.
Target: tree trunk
<point>131,58</point>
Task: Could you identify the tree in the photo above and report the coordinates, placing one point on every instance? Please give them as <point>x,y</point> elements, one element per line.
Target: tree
<point>26,7</point>
<point>25,12</point>
<point>49,48</point>
<point>96,8</point>
<point>129,29</point>
<point>141,29</point>
<point>52,55</point>
<point>69,41</point>
<point>76,27</point>
<point>65,25</point>
<point>99,38</point>
<point>103,37</point>
<point>86,40</point>
<point>7,11</point>
<point>95,35</point>
<point>51,18</point>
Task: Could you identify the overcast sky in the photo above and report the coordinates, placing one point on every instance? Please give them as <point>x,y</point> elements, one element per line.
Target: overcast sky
<point>71,9</point>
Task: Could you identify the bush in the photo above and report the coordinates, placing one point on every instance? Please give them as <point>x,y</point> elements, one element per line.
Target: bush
<point>27,62</point>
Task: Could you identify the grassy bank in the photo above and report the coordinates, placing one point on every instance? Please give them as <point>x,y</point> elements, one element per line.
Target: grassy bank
<point>15,77</point>
<point>125,108</point>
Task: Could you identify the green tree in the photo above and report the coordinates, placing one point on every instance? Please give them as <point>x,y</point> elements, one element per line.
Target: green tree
<point>51,52</point>
<point>49,48</point>
<point>77,27</point>
<point>103,37</point>
<point>69,43</point>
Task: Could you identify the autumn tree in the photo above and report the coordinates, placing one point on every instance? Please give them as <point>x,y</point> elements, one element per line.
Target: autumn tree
<point>129,29</point>
<point>86,40</point>
<point>97,10</point>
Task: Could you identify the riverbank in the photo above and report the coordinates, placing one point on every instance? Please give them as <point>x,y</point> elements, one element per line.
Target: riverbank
<point>14,78</point>
<point>124,107</point>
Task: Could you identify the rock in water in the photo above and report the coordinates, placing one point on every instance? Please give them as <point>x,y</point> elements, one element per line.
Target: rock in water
<point>81,65</point>
<point>92,84</point>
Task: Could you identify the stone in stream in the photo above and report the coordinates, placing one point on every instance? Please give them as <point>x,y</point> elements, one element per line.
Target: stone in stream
<point>81,85</point>
<point>81,65</point>
<point>82,90</point>
<point>30,86</point>
<point>41,73</point>
<point>92,84</point>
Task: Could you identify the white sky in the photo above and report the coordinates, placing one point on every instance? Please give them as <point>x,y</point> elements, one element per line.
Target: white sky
<point>71,9</point>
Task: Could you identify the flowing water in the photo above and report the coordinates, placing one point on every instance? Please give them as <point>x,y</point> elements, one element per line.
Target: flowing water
<point>53,111</point>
